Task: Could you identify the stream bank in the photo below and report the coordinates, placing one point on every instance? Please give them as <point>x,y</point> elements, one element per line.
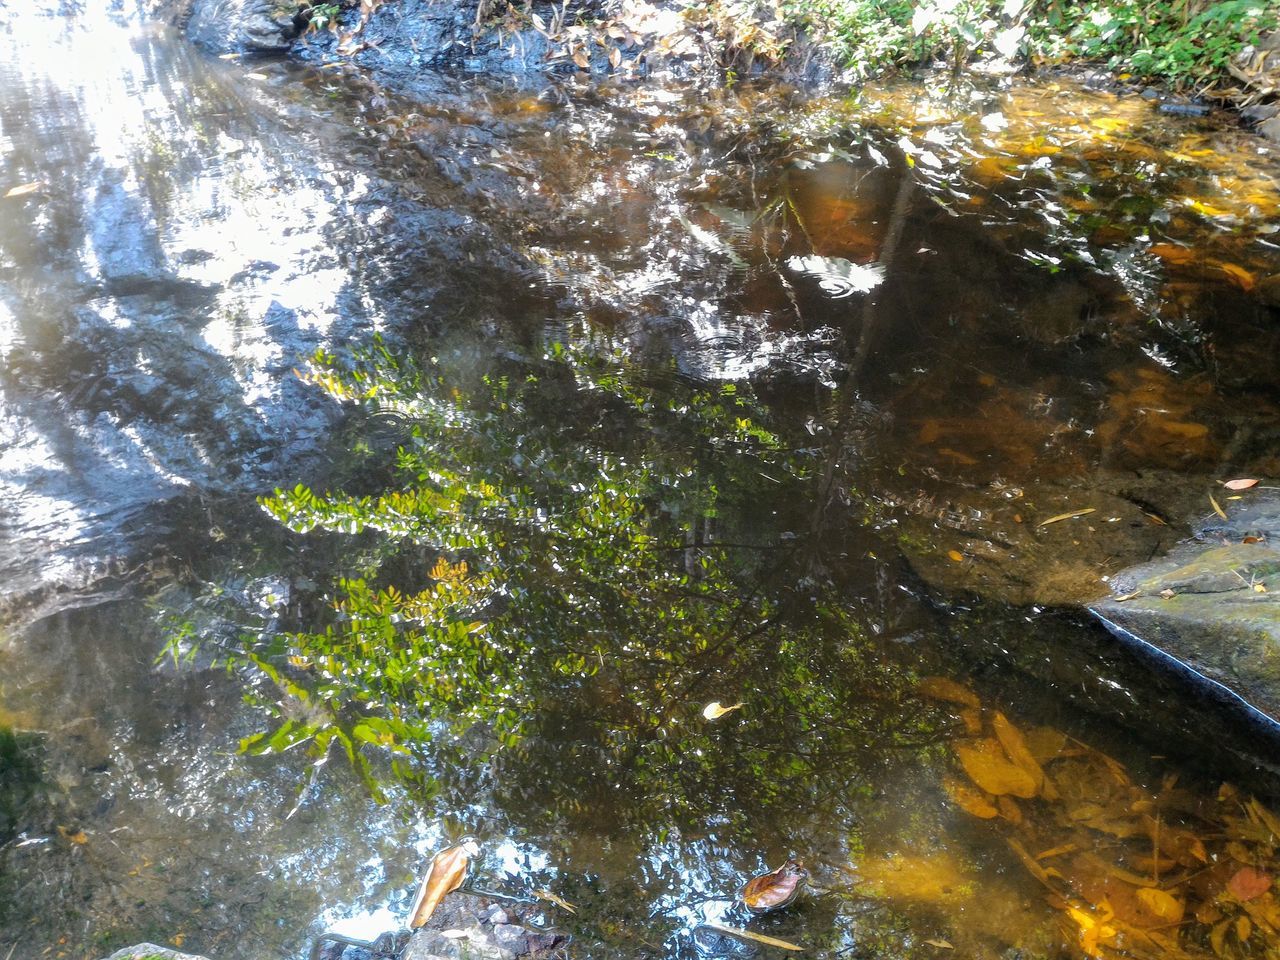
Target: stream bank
<point>393,41</point>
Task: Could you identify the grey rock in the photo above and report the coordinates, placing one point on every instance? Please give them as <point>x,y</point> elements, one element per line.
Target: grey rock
<point>403,38</point>
<point>1213,605</point>
<point>1269,289</point>
<point>243,26</point>
<point>1025,563</point>
<point>511,937</point>
<point>125,238</point>
<point>150,951</point>
<point>433,945</point>
<point>1270,129</point>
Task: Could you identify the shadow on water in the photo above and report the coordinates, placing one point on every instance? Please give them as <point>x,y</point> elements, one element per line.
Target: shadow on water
<point>679,397</point>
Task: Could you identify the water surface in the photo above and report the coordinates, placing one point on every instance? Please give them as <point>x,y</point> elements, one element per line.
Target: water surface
<point>762,391</point>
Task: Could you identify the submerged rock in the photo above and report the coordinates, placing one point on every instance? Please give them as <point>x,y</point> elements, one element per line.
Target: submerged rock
<point>1213,604</point>
<point>475,928</point>
<point>149,951</point>
<point>1005,545</point>
<point>463,927</point>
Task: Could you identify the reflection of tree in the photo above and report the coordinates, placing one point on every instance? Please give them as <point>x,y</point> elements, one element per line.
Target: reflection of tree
<point>572,553</point>
<point>20,777</point>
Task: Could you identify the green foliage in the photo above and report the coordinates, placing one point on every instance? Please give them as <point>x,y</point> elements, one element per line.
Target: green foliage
<point>1183,42</point>
<point>541,559</point>
<point>20,777</point>
<point>323,16</point>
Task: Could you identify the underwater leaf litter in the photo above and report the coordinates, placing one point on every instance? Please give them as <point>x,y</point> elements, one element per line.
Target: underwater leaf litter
<point>1134,871</point>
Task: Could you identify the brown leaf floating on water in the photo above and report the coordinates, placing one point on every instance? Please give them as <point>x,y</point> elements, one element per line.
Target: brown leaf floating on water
<point>447,871</point>
<point>775,889</point>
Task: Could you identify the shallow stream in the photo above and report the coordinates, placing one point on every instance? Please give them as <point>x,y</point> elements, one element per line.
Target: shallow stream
<point>810,372</point>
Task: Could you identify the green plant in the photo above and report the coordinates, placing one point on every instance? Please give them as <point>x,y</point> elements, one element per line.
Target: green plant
<point>323,16</point>
<point>1183,42</point>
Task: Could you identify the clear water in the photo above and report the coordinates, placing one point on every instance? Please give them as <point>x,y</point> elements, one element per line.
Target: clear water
<point>1068,314</point>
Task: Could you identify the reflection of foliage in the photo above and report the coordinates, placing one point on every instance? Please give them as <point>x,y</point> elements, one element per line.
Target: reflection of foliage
<point>19,778</point>
<point>586,552</point>
<point>526,560</point>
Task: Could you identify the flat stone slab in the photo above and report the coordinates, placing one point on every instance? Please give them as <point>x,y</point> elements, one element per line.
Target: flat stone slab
<point>1213,604</point>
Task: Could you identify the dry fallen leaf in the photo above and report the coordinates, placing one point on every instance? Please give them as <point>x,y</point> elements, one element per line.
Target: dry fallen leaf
<point>1244,927</point>
<point>78,837</point>
<point>447,871</point>
<point>1009,809</point>
<point>940,944</point>
<point>1068,516</point>
<point>753,937</point>
<point>1216,508</point>
<point>24,189</point>
<point>1248,884</point>
<point>715,710</point>
<point>1217,937</point>
<point>1239,484</point>
<point>1015,746</point>
<point>1094,930</point>
<point>1167,594</point>
<point>775,889</point>
<point>1127,596</point>
<point>1241,277</point>
<point>552,898</point>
